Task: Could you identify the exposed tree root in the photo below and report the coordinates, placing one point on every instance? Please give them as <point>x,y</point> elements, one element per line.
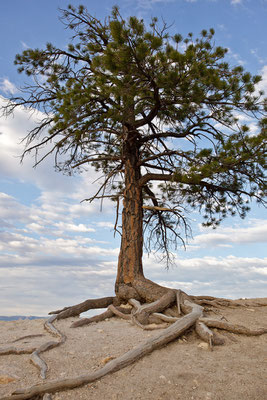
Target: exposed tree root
<point>152,321</point>
<point>14,350</point>
<point>35,352</point>
<point>217,302</point>
<point>101,317</point>
<point>90,304</point>
<point>118,312</point>
<point>27,337</point>
<point>162,312</point>
<point>38,361</point>
<point>96,318</point>
<point>214,323</point>
<point>35,356</point>
<point>207,335</point>
<point>169,334</point>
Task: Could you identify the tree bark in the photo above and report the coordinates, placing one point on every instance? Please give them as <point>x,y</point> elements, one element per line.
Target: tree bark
<point>130,258</point>
<point>130,281</point>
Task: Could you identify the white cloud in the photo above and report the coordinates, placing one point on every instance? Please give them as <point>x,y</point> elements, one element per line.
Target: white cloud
<point>234,2</point>
<point>60,194</point>
<point>24,45</point>
<point>262,85</point>
<point>105,224</point>
<point>148,4</point>
<point>22,248</point>
<point>254,232</point>
<point>11,211</point>
<point>261,58</point>
<point>36,289</point>
<point>229,277</point>
<point>7,87</point>
<point>73,227</point>
<point>236,57</point>
<point>221,27</point>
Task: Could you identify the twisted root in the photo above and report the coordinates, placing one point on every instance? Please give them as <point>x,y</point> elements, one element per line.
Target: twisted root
<point>162,313</point>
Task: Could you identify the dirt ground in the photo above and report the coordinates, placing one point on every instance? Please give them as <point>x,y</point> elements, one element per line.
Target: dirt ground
<point>185,369</point>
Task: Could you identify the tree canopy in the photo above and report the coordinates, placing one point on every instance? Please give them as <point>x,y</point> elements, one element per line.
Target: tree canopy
<point>175,99</point>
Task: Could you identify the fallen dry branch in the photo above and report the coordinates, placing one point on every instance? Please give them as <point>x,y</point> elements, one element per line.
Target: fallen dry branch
<point>168,335</point>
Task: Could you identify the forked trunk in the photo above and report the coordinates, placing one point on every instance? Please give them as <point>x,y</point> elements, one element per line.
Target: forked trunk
<point>131,251</point>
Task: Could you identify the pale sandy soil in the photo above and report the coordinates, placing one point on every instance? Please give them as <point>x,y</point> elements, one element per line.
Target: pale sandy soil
<point>182,370</point>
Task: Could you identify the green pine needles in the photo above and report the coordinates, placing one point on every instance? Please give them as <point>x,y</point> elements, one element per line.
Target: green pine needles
<point>176,98</point>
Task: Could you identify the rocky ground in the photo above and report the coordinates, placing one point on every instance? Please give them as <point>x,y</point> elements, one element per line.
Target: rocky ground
<point>185,369</point>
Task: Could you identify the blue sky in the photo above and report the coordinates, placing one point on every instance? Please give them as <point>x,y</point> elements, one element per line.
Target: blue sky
<point>56,251</point>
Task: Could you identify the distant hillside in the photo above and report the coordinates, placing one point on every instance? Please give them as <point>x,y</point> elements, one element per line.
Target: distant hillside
<point>16,317</point>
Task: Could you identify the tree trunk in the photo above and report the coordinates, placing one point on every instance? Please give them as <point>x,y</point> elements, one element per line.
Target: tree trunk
<point>130,258</point>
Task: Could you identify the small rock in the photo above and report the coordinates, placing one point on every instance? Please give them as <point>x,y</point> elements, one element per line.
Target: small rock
<point>5,379</point>
<point>100,330</point>
<point>203,345</point>
<point>163,377</point>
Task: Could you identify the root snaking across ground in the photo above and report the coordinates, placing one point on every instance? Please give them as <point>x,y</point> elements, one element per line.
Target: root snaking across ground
<point>174,312</point>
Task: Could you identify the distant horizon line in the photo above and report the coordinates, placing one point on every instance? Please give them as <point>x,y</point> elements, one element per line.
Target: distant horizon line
<point>18,317</point>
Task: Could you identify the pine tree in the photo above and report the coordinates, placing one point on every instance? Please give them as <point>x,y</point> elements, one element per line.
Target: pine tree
<point>159,116</point>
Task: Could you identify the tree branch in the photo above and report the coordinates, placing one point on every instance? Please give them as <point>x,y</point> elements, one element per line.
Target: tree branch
<point>87,160</point>
<point>159,208</point>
